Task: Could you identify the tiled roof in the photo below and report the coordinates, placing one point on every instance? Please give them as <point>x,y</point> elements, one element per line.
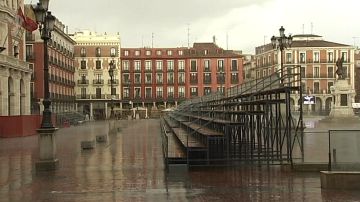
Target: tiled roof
<point>316,43</point>
<point>306,35</point>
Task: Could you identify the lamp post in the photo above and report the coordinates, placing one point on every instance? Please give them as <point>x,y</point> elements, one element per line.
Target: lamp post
<point>281,42</point>
<point>111,74</point>
<point>47,149</point>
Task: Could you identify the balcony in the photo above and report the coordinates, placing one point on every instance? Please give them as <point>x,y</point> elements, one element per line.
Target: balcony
<point>30,56</point>
<point>30,37</point>
<point>83,97</point>
<point>193,69</point>
<point>148,70</point>
<point>98,96</point>
<point>83,82</point>
<point>98,82</point>
<point>181,70</point>
<point>114,97</point>
<point>115,81</point>
<point>193,81</point>
<point>207,81</point>
<point>126,82</point>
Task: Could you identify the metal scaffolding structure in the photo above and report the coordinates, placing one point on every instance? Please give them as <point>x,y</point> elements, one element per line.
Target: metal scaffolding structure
<point>250,123</point>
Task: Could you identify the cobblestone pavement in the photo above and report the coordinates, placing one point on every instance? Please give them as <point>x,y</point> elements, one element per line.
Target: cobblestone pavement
<point>130,168</point>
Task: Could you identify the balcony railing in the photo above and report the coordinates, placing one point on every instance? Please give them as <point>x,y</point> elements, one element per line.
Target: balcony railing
<point>115,96</point>
<point>115,81</point>
<point>98,96</point>
<point>98,81</point>
<point>83,82</point>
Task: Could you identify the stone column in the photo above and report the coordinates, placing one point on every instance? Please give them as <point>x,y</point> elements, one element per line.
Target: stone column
<point>143,104</point>
<point>176,103</point>
<point>47,150</point>
<point>165,105</point>
<point>91,111</point>
<point>106,110</point>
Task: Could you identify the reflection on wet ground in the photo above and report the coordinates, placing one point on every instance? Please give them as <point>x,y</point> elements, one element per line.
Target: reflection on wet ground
<point>129,167</point>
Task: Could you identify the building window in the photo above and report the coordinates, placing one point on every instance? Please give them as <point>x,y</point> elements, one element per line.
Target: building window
<point>98,93</point>
<point>193,66</point>
<point>181,92</point>
<point>170,65</point>
<point>148,65</point>
<point>82,52</point>
<point>207,90</point>
<point>316,56</point>
<point>148,52</point>
<point>170,77</point>
<point>126,78</point>
<point>126,92</point>
<point>181,78</point>
<point>344,55</point>
<point>193,78</point>
<point>126,65</point>
<point>316,87</point>
<point>83,64</point>
<point>329,85</point>
<point>159,92</point>
<point>330,56</point>
<point>137,65</point>
<point>303,72</point>
<point>169,52</point>
<point>148,78</point>
<point>234,65</point>
<point>235,77</point>
<point>126,53</point>
<point>316,72</point>
<point>158,52</point>
<point>137,53</point>
<point>180,52</point>
<point>170,91</point>
<point>137,91</point>
<point>288,58</point>
<point>207,66</point>
<point>302,57</point>
<point>181,64</point>
<point>148,93</point>
<point>137,78</point>
<point>159,65</point>
<point>330,72</point>
<point>98,52</point>
<point>159,78</point>
<point>83,93</point>
<point>193,91</point>
<point>98,64</point>
<point>220,65</point>
<point>112,52</point>
<point>207,78</point>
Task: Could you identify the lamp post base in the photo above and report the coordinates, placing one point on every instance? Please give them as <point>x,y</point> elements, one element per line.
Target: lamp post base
<point>47,150</point>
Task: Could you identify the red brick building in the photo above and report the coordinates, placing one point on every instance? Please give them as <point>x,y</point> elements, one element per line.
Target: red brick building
<point>165,76</point>
<point>61,70</point>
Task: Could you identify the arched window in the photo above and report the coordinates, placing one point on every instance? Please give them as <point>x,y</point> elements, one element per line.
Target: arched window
<point>82,52</point>
<point>112,52</point>
<point>98,52</point>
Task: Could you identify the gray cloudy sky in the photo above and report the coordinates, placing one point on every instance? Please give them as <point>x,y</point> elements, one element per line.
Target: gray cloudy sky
<point>248,23</point>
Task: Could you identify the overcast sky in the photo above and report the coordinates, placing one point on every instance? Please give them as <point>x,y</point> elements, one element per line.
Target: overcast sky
<point>247,23</point>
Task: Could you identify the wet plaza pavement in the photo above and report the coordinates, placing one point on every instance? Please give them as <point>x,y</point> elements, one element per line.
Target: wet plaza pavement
<point>130,167</point>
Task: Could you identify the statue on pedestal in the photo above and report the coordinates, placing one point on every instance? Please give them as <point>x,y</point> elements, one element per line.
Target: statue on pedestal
<point>340,69</point>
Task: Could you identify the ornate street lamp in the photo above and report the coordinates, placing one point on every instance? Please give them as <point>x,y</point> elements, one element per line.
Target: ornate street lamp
<point>47,146</point>
<point>111,74</point>
<point>46,23</point>
<point>281,42</point>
